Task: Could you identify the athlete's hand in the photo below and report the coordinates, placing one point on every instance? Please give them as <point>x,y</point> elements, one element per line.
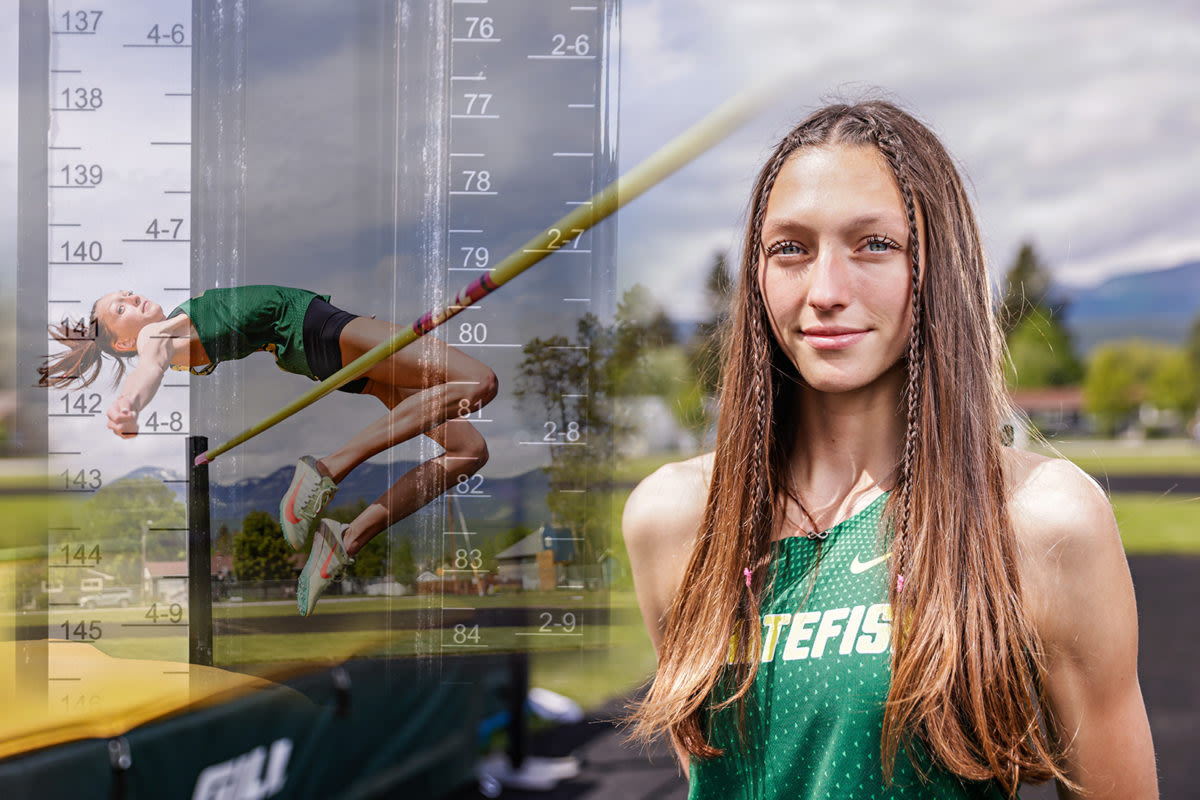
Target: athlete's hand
<point>122,418</point>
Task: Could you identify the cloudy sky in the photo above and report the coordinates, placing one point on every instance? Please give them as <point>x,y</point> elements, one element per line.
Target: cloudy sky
<point>1074,122</point>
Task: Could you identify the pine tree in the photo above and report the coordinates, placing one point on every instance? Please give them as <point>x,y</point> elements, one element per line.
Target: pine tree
<point>1041,352</point>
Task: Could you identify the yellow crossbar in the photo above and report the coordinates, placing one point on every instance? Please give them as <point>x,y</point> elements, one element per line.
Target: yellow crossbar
<point>675,154</point>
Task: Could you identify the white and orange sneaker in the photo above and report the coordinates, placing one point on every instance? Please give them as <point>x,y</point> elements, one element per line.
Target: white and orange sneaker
<point>309,493</point>
<point>326,563</point>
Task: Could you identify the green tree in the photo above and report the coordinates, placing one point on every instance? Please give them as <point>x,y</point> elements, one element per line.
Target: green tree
<point>1175,384</point>
<point>118,515</point>
<point>705,347</point>
<point>1192,346</point>
<point>1118,380</point>
<point>1040,355</point>
<point>565,387</point>
<point>260,553</point>
<point>636,332</point>
<point>1026,289</point>
<point>404,565</point>
<point>1040,349</point>
<point>223,544</point>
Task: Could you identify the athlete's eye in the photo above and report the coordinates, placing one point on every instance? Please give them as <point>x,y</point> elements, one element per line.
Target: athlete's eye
<point>881,244</point>
<point>786,248</point>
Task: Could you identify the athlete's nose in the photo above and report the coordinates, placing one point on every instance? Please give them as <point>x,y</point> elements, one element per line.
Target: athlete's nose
<point>828,282</point>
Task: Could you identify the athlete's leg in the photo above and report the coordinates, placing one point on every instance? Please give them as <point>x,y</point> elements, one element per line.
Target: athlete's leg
<point>424,385</point>
<point>465,452</point>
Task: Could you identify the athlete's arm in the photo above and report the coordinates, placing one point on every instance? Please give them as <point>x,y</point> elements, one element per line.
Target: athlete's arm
<point>659,524</point>
<point>1081,599</point>
<point>155,349</point>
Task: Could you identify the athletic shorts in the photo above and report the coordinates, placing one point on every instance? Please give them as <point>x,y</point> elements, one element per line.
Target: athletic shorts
<point>323,323</point>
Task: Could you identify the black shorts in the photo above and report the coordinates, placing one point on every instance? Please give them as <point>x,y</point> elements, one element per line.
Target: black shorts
<point>323,323</point>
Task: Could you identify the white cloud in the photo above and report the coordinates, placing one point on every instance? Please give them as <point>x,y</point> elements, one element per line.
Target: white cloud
<point>1074,123</point>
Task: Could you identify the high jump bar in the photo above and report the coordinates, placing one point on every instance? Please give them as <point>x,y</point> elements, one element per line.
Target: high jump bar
<point>681,150</point>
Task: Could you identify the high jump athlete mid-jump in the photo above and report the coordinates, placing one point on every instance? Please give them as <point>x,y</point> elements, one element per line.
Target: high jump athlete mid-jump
<point>428,388</point>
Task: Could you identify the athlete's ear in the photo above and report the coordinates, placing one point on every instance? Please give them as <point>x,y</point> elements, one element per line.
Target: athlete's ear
<point>124,345</point>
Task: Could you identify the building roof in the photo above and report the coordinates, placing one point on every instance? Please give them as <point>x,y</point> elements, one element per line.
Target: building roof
<point>178,569</point>
<point>166,569</point>
<point>1050,398</point>
<point>546,537</point>
<point>526,548</point>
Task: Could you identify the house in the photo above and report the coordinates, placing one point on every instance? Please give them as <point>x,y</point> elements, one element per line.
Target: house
<point>93,580</point>
<point>164,579</point>
<point>1053,410</point>
<point>540,560</point>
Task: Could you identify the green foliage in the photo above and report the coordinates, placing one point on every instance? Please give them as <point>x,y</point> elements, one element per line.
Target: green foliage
<point>116,517</point>
<point>404,564</point>
<point>260,553</point>
<point>223,543</point>
<point>1040,354</point>
<point>1040,349</point>
<point>1192,346</point>
<point>1175,384</point>
<point>704,350</point>
<point>1026,289</point>
<point>565,386</point>
<point>499,543</point>
<point>1123,375</point>
<point>642,327</point>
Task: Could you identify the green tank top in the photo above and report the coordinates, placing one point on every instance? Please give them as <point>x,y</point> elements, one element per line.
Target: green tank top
<point>235,322</point>
<point>814,717</point>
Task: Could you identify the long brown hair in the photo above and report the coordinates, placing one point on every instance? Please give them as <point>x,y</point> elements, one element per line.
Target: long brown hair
<point>87,342</point>
<point>966,661</point>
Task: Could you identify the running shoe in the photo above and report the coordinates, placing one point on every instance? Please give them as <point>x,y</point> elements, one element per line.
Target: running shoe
<point>309,493</point>
<point>326,563</point>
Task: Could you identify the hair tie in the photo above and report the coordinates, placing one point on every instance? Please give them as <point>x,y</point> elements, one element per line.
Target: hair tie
<point>899,583</point>
<point>746,571</point>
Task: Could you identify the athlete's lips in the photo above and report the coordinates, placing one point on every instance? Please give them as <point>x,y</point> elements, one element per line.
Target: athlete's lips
<point>832,337</point>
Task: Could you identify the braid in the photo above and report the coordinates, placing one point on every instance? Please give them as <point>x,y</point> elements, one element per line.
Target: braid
<point>759,478</point>
<point>891,150</point>
<point>761,399</point>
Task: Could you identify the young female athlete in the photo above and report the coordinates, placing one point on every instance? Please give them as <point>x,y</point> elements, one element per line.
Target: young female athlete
<point>428,387</point>
<point>863,593</point>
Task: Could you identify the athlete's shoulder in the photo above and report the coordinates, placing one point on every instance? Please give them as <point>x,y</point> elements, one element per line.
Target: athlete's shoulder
<point>164,335</point>
<point>670,501</point>
<point>660,523</point>
<point>1067,539</point>
<point>1053,498</point>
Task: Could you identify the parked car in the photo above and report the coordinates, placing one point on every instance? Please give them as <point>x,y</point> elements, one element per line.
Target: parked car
<point>107,598</point>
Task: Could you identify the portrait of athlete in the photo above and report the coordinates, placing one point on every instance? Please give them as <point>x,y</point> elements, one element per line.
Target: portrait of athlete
<point>865,591</point>
<point>428,388</point>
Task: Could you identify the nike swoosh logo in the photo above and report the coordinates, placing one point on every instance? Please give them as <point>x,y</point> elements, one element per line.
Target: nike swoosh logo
<point>857,566</point>
<point>325,567</point>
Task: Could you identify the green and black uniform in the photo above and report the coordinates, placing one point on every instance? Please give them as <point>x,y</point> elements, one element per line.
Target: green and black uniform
<point>300,328</point>
<point>814,718</point>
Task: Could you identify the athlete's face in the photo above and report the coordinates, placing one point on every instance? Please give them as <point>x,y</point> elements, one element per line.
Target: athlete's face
<point>123,314</point>
<point>835,267</point>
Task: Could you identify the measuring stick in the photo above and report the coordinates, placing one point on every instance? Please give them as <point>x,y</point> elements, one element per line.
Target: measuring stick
<point>675,154</point>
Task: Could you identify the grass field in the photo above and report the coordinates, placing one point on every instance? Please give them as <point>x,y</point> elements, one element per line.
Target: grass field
<point>1119,457</point>
<point>1158,524</point>
<point>608,660</point>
